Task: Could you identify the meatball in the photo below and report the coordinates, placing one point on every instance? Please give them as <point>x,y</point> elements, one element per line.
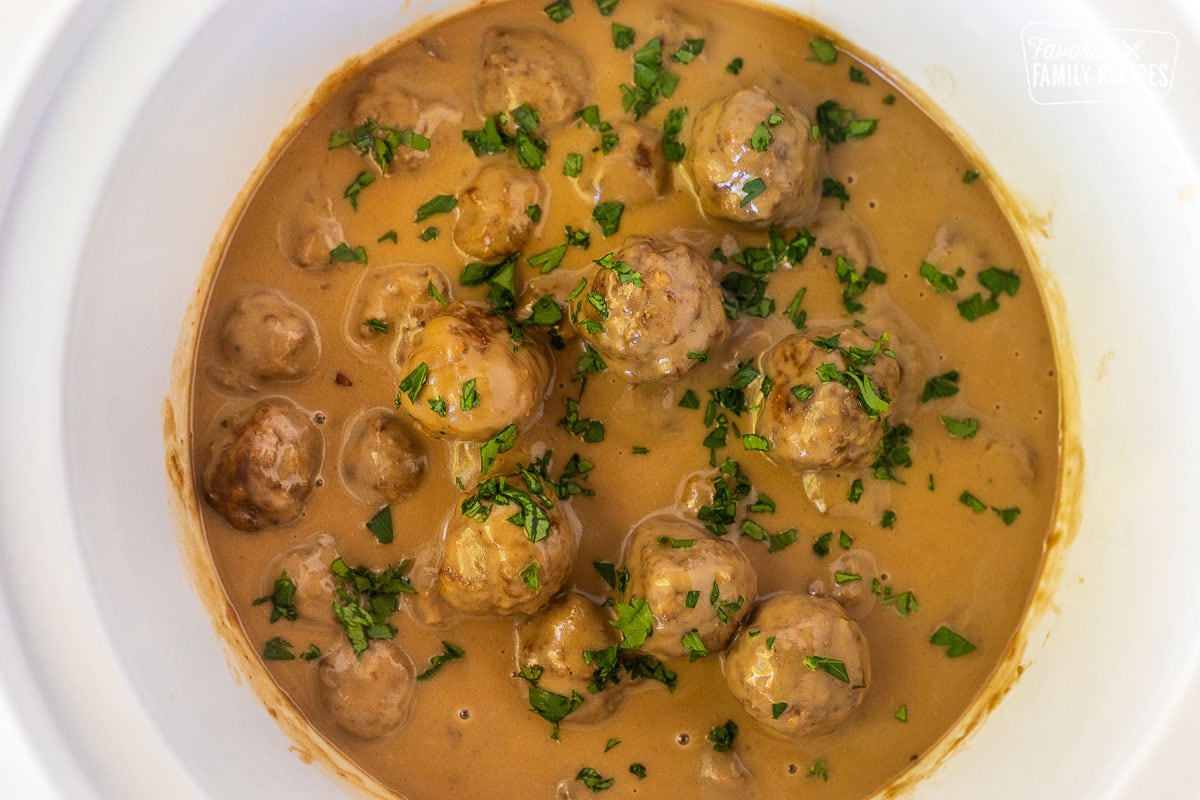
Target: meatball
<point>556,639</point>
<point>309,231</point>
<point>392,303</point>
<point>493,217</point>
<point>729,151</point>
<point>691,582</point>
<point>492,566</point>
<point>381,463</point>
<point>263,465</point>
<point>815,425</point>
<point>368,696</point>
<point>793,650</point>
<point>851,578</point>
<point>472,365</point>
<point>634,172</point>
<point>391,99</point>
<point>265,337</point>
<point>528,67</point>
<point>307,566</point>
<point>652,310</point>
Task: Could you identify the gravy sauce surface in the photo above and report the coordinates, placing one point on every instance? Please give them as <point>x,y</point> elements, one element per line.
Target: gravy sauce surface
<point>947,529</point>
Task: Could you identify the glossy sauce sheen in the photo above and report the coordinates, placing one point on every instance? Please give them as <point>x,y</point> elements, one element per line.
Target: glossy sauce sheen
<point>470,733</point>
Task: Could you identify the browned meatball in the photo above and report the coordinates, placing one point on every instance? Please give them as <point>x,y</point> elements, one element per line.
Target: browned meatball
<point>528,67</point>
<point>815,425</point>
<point>493,217</point>
<point>851,578</point>
<point>634,172</point>
<point>485,379</point>
<point>391,99</point>
<point>727,166</point>
<point>266,338</point>
<point>263,465</point>
<point>493,565</point>
<point>368,696</point>
<point>381,462</point>
<point>804,653</point>
<point>308,231</point>
<point>556,639</point>
<point>654,311</point>
<point>392,303</point>
<point>691,582</point>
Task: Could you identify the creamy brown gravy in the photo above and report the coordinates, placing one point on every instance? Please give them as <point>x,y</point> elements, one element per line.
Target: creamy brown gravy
<point>969,571</point>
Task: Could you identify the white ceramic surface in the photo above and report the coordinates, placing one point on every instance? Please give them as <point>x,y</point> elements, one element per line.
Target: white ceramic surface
<point>142,124</point>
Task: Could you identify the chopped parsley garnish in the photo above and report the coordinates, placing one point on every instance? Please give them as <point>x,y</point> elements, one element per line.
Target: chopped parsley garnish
<point>722,736</point>
<point>832,188</point>
<point>610,744</point>
<point>944,385</point>
<point>429,234</point>
<point>530,575</point>
<point>819,770</point>
<point>608,216</point>
<point>824,50</point>
<point>634,621</point>
<point>856,491</point>
<point>378,141</point>
<point>414,382</point>
<point>362,181</point>
<point>692,598</point>
<point>904,603</point>
<point>559,10</point>
<point>380,525</point>
<point>797,315</point>
<point>970,176</point>
<point>549,260</point>
<point>676,544</point>
<point>591,430</point>
<point>606,7</point>
<point>961,428</point>
<point>830,666</point>
<point>502,442</point>
<point>1008,515</point>
<point>839,124</point>
<point>940,281</point>
<point>590,363</point>
<point>820,545</point>
<point>695,645</point>
<point>377,325</point>
<point>955,645</point>
<point>889,99</point>
<point>439,406</point>
<point>858,76</point>
<point>440,204</point>
<point>752,189</point>
<point>873,400</point>
<point>845,540</point>
<point>501,279</point>
<point>552,707</point>
<point>639,450</point>
<point>777,709</point>
<point>687,53</point>
<point>972,502</point>
<point>997,281</point>
<point>469,398</point>
<point>888,519</point>
<point>673,149</point>
<point>735,66</point>
<point>651,83</point>
<point>389,236</point>
<point>623,269</point>
<point>278,649</point>
<point>572,165</point>
<point>689,400</point>
<point>841,578</point>
<point>902,713</point>
<point>531,506</point>
<point>594,780</point>
<point>534,212</point>
<point>282,599</point>
<point>365,600</point>
<point>450,652</point>
<point>775,541</point>
<point>622,36</point>
<point>530,148</point>
<point>856,284</point>
<point>311,653</point>
<point>637,769</point>
<point>891,452</point>
<point>345,253</point>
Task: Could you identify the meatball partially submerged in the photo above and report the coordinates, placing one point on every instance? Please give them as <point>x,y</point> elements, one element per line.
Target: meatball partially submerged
<point>652,309</point>
<point>556,639</point>
<point>634,172</point>
<point>493,216</point>
<point>307,566</point>
<point>367,695</point>
<point>267,338</point>
<point>698,588</point>
<point>799,666</point>
<point>755,162</point>
<point>528,67</point>
<point>393,302</point>
<point>263,465</point>
<point>505,552</point>
<point>380,461</point>
<point>466,378</point>
<point>829,396</point>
